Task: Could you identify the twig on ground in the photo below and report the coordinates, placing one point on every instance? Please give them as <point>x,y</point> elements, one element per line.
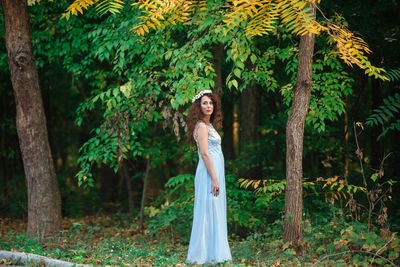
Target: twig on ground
<point>350,251</point>
<point>387,243</point>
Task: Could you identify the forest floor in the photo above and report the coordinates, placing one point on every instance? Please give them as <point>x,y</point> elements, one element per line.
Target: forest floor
<point>114,240</point>
<point>103,240</point>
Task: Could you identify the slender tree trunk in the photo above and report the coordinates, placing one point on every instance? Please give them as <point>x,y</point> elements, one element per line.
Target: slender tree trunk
<point>376,146</point>
<point>44,200</point>
<point>294,141</point>
<point>146,178</point>
<point>249,115</point>
<point>227,125</point>
<point>128,186</point>
<point>346,140</point>
<point>109,181</point>
<point>218,50</point>
<point>123,173</point>
<point>235,134</point>
<point>250,102</point>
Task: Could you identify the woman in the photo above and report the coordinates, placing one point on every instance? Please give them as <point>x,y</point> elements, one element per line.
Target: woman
<point>208,240</point>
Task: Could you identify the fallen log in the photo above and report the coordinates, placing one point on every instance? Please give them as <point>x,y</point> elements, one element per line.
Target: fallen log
<point>29,258</point>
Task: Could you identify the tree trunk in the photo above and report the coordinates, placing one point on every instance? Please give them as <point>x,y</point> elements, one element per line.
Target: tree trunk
<point>127,178</point>
<point>109,182</point>
<point>218,49</point>
<point>235,134</point>
<point>346,140</point>
<point>250,102</point>
<point>44,200</point>
<point>294,141</point>
<point>249,115</point>
<point>146,178</point>
<point>376,146</point>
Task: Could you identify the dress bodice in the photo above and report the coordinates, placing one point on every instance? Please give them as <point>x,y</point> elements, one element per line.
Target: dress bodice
<point>214,139</point>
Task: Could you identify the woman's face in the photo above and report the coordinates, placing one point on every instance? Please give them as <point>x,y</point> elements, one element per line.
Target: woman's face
<point>206,105</point>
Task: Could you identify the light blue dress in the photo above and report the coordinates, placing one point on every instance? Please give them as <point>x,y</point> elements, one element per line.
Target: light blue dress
<point>209,238</point>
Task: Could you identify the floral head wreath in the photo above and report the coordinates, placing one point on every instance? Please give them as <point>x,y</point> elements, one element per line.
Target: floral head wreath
<point>199,95</point>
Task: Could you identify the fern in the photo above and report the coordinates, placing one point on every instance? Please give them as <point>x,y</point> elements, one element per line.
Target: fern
<point>393,74</point>
<point>384,113</point>
<point>111,6</point>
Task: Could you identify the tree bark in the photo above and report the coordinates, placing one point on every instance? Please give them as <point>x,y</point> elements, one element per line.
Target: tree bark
<point>377,150</point>
<point>249,115</point>
<point>346,140</point>
<point>44,200</point>
<point>227,125</point>
<point>145,181</point>
<point>218,50</point>
<point>294,141</point>
<point>127,178</point>
<point>250,102</point>
<point>235,133</point>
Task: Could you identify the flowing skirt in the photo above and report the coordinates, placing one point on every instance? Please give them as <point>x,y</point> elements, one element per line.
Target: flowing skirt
<point>209,239</point>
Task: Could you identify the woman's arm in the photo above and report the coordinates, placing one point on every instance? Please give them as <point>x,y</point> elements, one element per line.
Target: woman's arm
<point>202,139</point>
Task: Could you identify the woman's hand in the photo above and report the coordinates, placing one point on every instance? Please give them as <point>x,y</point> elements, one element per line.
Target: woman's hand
<point>215,187</point>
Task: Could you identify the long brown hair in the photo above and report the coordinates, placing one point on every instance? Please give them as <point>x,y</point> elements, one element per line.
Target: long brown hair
<point>196,115</point>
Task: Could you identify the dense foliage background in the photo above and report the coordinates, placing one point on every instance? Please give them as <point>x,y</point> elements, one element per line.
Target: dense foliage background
<point>116,102</point>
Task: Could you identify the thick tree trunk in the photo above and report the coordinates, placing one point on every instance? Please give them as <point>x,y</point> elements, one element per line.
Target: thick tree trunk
<point>44,201</point>
<point>294,141</point>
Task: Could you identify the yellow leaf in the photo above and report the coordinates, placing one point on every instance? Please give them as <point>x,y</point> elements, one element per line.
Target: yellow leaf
<point>141,31</point>
<point>235,83</point>
<point>151,25</point>
<point>109,104</point>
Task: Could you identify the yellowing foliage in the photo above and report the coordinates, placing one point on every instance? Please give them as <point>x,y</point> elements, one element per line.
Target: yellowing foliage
<point>352,50</point>
<point>260,16</point>
<point>162,13</point>
<point>332,187</point>
<point>78,6</point>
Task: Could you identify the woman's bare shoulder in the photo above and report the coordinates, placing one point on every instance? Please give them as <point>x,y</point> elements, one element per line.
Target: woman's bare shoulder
<point>200,129</point>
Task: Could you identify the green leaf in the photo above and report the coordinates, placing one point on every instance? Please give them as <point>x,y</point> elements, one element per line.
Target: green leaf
<point>374,177</point>
<point>253,58</point>
<point>239,64</point>
<point>237,72</point>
